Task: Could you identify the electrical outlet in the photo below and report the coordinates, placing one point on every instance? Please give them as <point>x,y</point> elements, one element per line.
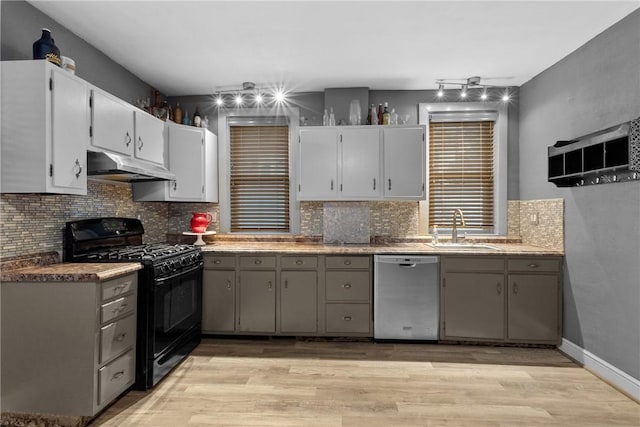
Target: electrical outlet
<point>214,216</point>
<point>533,218</point>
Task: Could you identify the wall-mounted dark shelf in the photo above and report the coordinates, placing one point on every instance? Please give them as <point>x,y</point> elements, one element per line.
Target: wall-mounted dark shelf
<point>611,155</point>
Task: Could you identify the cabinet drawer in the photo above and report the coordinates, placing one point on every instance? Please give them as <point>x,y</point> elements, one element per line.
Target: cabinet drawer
<point>219,261</point>
<point>343,262</point>
<point>121,285</point>
<point>117,308</point>
<point>348,318</point>
<point>258,261</point>
<point>299,262</point>
<point>115,377</point>
<point>473,263</point>
<point>117,337</point>
<point>348,285</point>
<point>534,264</point>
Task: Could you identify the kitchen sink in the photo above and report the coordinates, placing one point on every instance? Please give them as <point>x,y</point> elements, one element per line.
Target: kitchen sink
<point>462,246</point>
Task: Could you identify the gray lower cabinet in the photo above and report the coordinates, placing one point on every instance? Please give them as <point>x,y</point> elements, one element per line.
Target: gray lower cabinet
<point>257,301</point>
<point>68,348</point>
<point>501,299</point>
<point>219,296</point>
<point>298,302</point>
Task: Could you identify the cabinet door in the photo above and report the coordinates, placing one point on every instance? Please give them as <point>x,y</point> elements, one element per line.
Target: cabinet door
<point>218,301</point>
<point>404,163</point>
<point>186,161</point>
<point>257,301</point>
<point>69,133</point>
<point>149,138</point>
<point>360,166</point>
<point>473,306</point>
<point>318,164</point>
<point>111,123</point>
<point>533,307</point>
<point>298,301</point>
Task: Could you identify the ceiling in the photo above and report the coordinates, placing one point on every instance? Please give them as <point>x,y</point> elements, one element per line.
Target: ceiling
<point>200,47</point>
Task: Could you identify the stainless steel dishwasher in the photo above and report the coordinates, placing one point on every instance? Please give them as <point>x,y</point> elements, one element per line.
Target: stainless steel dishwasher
<point>406,292</point>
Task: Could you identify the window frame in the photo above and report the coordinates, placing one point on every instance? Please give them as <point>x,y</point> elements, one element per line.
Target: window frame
<point>474,111</point>
<point>237,116</point>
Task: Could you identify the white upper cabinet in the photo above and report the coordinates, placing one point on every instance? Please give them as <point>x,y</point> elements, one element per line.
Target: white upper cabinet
<point>149,139</point>
<point>318,163</point>
<point>119,127</point>
<point>404,162</point>
<point>45,129</point>
<point>112,125</point>
<point>362,163</point>
<point>193,158</point>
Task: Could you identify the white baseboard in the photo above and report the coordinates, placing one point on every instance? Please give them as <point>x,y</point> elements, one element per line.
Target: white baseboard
<point>604,370</point>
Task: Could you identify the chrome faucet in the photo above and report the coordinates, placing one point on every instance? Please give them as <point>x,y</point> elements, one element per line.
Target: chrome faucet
<point>454,227</point>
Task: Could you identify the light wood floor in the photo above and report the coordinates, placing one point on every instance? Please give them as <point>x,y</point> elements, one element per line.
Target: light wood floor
<point>284,382</point>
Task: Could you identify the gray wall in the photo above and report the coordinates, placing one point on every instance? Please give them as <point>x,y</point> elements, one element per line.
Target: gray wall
<point>595,87</point>
<point>21,25</point>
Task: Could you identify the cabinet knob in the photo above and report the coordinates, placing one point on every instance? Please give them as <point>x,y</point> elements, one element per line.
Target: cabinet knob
<point>117,375</point>
<point>127,139</point>
<point>299,262</point>
<point>257,261</point>
<point>347,318</point>
<point>175,185</point>
<point>347,262</point>
<point>286,284</point>
<point>120,337</point>
<point>515,288</point>
<point>269,285</point>
<point>78,169</point>
<point>229,284</point>
<point>533,265</point>
<point>217,261</point>
<point>499,288</point>
<point>347,286</point>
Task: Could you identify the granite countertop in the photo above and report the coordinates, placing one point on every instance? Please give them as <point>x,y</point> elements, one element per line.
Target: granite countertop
<point>418,248</point>
<point>69,272</point>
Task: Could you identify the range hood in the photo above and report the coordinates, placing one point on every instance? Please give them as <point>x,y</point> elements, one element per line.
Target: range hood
<point>115,167</point>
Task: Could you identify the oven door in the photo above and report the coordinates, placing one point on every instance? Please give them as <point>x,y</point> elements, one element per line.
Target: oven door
<point>178,309</point>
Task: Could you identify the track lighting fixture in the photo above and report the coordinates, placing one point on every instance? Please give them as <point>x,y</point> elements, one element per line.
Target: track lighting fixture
<point>466,86</point>
<point>248,94</point>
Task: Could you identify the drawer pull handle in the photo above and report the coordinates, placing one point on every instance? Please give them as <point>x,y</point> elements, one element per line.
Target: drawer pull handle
<point>120,337</point>
<point>533,265</point>
<point>347,318</point>
<point>127,139</point>
<point>347,286</point>
<point>228,284</point>
<point>499,288</point>
<point>119,309</point>
<point>117,375</point>
<point>299,262</point>
<point>257,261</point>
<point>347,262</point>
<point>217,261</point>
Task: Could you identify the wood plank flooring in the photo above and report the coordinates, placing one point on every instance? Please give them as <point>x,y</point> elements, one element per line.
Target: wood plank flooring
<point>285,382</point>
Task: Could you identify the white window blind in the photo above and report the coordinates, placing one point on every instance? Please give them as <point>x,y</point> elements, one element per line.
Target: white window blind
<point>259,184</point>
<point>461,173</point>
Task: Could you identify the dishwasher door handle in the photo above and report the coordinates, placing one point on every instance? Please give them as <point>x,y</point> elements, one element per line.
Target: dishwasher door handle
<point>407,265</point>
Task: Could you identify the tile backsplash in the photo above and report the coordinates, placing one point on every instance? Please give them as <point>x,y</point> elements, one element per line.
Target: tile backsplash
<point>34,223</point>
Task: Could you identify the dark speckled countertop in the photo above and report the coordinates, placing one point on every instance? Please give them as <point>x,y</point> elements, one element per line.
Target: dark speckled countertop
<point>69,272</point>
<point>418,248</point>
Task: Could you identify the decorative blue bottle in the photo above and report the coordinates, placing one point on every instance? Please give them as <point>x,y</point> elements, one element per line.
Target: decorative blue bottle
<point>45,48</point>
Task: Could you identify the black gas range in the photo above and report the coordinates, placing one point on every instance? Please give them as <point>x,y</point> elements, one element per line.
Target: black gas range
<point>169,315</point>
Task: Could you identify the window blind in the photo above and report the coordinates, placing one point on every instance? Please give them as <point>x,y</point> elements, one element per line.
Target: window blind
<point>461,173</point>
<point>259,178</point>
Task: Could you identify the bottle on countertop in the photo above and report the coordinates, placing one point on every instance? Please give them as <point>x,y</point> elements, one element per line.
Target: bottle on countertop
<point>374,114</point>
<point>45,48</point>
<point>325,118</point>
<point>177,114</point>
<point>386,115</point>
<point>379,114</point>
<point>197,120</point>
<point>332,118</point>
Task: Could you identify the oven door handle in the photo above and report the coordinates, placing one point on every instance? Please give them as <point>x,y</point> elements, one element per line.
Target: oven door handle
<point>161,280</point>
